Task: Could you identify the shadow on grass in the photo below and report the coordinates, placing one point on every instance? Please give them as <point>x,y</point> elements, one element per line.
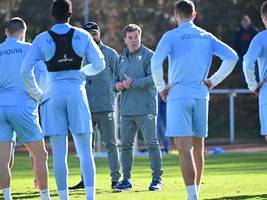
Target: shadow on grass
<point>259,196</point>
<point>32,195</point>
<point>101,191</point>
<point>28,195</point>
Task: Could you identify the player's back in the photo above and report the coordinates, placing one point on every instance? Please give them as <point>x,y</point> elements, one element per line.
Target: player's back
<point>191,54</point>
<point>258,51</point>
<point>261,39</point>
<point>12,89</point>
<point>65,80</point>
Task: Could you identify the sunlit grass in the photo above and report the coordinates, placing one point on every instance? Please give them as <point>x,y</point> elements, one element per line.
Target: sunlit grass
<point>227,176</point>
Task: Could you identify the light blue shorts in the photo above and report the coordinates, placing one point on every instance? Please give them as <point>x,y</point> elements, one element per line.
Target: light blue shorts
<point>21,119</point>
<point>187,117</point>
<point>263,119</point>
<point>66,111</point>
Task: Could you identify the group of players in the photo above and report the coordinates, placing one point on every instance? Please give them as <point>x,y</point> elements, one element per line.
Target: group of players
<point>68,70</point>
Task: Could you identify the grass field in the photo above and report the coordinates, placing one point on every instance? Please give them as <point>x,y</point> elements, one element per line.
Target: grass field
<point>228,176</point>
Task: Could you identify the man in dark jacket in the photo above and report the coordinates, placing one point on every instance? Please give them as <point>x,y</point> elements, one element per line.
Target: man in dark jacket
<point>241,41</point>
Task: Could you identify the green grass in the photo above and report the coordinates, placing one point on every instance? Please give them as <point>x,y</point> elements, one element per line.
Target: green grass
<point>229,176</point>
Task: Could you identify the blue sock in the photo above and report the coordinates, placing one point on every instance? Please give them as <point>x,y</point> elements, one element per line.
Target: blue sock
<point>59,150</point>
<point>83,144</point>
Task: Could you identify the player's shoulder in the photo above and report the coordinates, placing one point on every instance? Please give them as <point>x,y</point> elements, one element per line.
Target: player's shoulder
<point>17,43</point>
<point>41,37</point>
<point>24,45</point>
<point>80,32</point>
<point>261,35</point>
<point>82,36</point>
<point>170,33</point>
<point>203,32</point>
<point>147,51</point>
<point>109,49</point>
<point>2,45</point>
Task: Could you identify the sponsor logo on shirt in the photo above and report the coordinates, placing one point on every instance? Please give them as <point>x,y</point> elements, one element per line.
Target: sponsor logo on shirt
<point>110,116</point>
<point>122,59</point>
<point>10,51</point>
<point>65,59</point>
<point>192,36</point>
<point>76,37</point>
<point>150,116</point>
<point>139,58</point>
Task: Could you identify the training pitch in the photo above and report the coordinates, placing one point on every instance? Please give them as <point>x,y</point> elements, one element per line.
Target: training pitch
<point>228,176</point>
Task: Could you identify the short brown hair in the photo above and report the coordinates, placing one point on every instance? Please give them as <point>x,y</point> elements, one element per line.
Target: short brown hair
<point>185,8</point>
<point>131,28</point>
<point>15,25</point>
<point>264,8</point>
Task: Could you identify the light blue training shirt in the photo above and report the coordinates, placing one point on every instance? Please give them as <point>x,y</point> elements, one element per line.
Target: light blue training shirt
<point>190,50</point>
<point>12,90</point>
<point>257,52</point>
<point>43,48</point>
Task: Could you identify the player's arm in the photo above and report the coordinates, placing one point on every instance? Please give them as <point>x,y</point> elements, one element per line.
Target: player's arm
<point>40,73</point>
<point>114,64</point>
<point>119,83</point>
<point>162,51</point>
<point>249,61</point>
<point>229,59</point>
<point>113,59</point>
<point>95,57</point>
<point>27,72</point>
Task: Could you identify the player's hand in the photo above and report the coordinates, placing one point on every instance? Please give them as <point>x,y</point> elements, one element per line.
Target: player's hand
<point>208,83</point>
<point>257,90</point>
<point>127,82</point>
<point>164,93</point>
<point>119,86</point>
